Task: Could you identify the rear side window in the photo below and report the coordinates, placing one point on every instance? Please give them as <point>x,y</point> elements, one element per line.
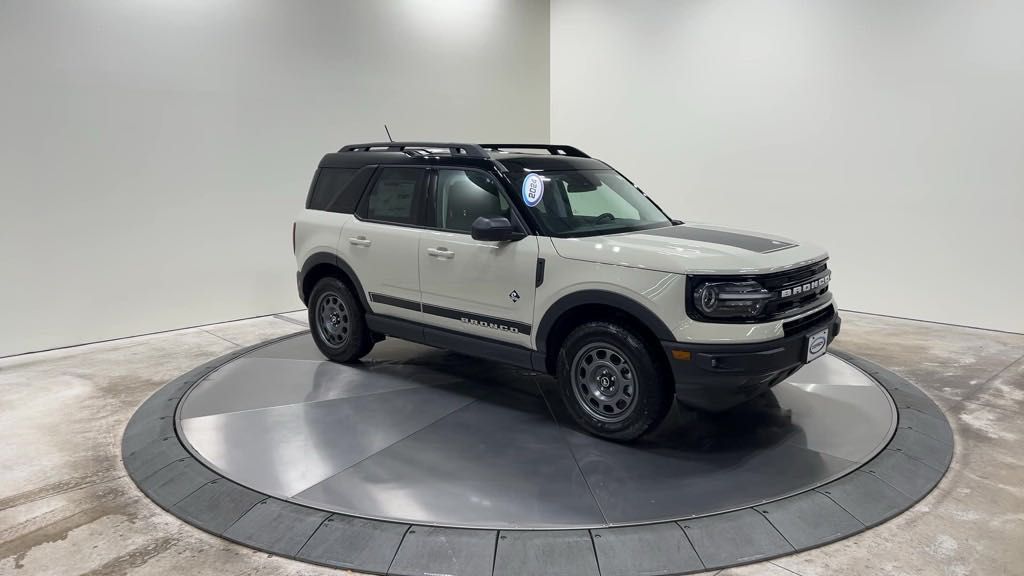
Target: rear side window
<point>329,184</point>
<point>396,196</point>
<point>339,189</point>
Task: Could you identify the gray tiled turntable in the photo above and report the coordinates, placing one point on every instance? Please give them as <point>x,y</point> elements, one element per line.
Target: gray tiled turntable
<point>413,462</point>
<point>500,457</point>
<point>430,447</point>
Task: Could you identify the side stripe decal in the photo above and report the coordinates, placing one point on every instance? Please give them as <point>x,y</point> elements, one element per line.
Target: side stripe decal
<point>471,318</point>
<point>393,301</point>
<point>478,319</point>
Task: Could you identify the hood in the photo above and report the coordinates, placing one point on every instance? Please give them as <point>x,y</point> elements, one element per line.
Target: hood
<point>692,249</point>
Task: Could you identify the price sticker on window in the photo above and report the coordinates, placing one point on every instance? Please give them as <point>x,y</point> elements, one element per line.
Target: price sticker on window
<point>533,190</point>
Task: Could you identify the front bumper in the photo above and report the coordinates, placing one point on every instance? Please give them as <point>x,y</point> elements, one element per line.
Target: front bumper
<point>717,377</point>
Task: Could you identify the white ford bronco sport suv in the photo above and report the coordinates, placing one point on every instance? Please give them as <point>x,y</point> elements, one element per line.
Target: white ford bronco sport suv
<point>542,257</point>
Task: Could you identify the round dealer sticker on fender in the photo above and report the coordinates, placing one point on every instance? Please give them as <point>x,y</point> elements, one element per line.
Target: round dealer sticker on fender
<point>533,190</point>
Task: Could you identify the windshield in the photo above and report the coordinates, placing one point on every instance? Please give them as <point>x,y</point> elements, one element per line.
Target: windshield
<point>587,202</point>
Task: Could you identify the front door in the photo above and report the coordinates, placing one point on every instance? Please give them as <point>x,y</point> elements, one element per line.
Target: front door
<point>482,288</point>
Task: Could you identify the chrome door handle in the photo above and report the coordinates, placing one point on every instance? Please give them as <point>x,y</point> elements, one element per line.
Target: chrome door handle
<point>360,241</point>
<point>441,253</point>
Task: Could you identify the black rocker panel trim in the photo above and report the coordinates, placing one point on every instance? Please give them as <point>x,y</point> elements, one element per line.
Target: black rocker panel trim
<point>479,347</point>
<point>584,297</point>
<point>452,340</point>
<point>397,327</point>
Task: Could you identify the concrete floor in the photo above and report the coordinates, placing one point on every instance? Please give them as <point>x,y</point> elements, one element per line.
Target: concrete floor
<point>67,507</point>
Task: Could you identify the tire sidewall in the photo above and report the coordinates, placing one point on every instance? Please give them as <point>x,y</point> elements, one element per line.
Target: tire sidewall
<point>358,334</point>
<point>653,397</point>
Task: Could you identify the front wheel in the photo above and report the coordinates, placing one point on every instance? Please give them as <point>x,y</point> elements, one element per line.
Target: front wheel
<point>337,322</point>
<point>611,383</point>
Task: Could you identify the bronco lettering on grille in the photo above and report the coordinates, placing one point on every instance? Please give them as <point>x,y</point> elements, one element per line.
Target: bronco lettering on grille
<point>811,286</point>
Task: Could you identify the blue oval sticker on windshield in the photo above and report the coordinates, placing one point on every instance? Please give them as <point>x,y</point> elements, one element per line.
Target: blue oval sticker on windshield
<point>533,190</point>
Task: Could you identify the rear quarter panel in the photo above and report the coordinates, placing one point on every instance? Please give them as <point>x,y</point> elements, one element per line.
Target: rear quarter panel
<point>317,231</point>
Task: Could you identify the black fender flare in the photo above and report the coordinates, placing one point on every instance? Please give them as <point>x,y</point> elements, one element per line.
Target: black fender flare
<point>606,298</point>
<point>319,258</point>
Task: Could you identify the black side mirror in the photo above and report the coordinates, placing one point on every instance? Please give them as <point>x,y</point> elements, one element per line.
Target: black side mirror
<point>495,230</point>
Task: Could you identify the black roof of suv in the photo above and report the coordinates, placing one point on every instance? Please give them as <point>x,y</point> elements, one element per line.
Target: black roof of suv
<point>503,157</point>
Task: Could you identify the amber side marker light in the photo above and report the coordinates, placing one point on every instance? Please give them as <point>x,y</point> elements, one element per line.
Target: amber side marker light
<point>681,354</point>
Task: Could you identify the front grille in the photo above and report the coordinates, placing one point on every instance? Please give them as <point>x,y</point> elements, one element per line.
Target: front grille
<point>807,287</point>
<point>801,278</point>
<point>800,324</point>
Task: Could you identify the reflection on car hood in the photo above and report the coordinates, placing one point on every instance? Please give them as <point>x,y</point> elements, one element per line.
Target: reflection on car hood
<point>692,249</point>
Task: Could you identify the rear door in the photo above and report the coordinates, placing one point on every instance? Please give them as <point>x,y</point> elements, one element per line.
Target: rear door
<point>381,242</point>
<point>485,289</point>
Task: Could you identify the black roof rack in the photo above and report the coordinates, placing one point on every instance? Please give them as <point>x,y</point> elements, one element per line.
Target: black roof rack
<point>471,150</point>
<point>553,149</point>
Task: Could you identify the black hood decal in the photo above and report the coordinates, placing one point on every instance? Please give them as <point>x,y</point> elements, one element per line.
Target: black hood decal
<point>744,241</point>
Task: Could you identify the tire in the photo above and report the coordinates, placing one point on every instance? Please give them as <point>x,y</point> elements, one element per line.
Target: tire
<point>611,383</point>
<point>337,322</point>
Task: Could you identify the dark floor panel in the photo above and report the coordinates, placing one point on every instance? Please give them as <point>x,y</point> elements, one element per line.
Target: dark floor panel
<point>734,538</point>
<point>912,477</point>
<point>810,519</point>
<point>905,400</point>
<point>171,484</point>
<point>649,550</point>
<point>497,463</point>
<point>355,543</point>
<point>560,553</point>
<point>276,526</point>
<point>867,498</point>
<point>895,383</point>
<point>217,505</point>
<point>924,448</point>
<point>429,551</point>
<point>161,403</point>
<point>155,455</point>
<point>930,425</point>
<point>889,379</point>
<point>155,407</point>
<point>142,433</point>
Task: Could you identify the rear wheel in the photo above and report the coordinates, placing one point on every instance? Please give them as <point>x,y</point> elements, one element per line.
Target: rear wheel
<point>337,322</point>
<point>611,383</point>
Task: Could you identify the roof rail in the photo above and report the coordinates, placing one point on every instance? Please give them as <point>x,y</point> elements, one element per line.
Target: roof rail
<point>553,149</point>
<point>472,150</point>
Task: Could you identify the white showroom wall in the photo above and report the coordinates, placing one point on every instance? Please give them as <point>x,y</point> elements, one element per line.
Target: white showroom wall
<point>890,132</point>
<point>153,153</point>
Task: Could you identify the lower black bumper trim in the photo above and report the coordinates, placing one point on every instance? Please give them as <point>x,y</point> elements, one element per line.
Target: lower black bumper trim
<point>719,376</point>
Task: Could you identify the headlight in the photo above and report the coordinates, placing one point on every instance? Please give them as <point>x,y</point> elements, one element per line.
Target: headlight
<point>730,299</point>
